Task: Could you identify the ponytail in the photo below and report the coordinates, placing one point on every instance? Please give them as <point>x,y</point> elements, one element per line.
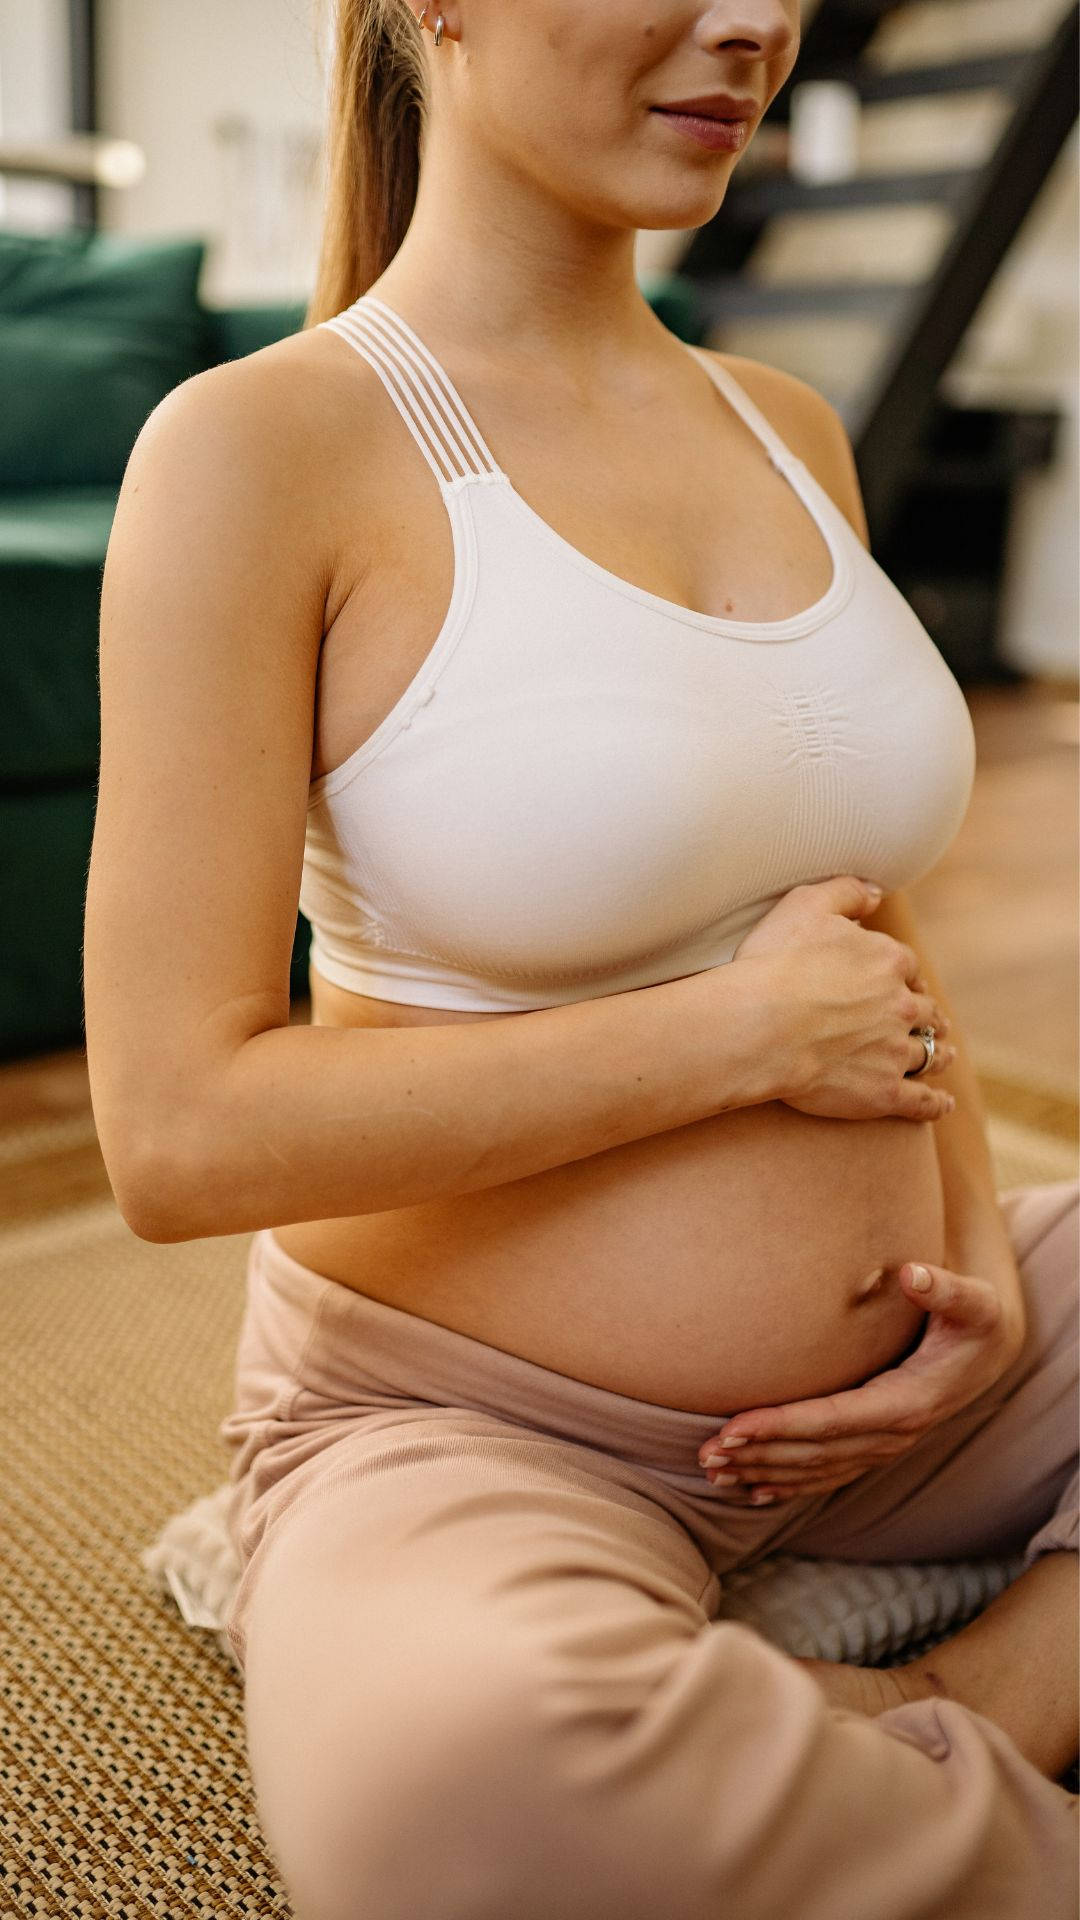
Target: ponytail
<point>375,120</point>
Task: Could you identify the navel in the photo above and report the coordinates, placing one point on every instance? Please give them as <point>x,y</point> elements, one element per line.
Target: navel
<point>872,1284</point>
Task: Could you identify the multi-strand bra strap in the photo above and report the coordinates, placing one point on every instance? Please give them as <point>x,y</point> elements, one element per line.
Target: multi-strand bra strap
<point>426,398</point>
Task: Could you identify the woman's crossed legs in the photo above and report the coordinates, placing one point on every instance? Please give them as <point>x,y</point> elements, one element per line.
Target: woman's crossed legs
<point>485,1679</point>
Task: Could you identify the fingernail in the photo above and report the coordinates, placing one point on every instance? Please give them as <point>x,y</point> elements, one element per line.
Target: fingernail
<point>725,1480</point>
<point>920,1279</point>
<point>762,1499</point>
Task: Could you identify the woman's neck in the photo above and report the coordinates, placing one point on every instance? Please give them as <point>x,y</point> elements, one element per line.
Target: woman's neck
<point>496,263</point>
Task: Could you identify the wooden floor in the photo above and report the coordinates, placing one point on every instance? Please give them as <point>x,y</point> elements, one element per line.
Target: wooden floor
<point>998,917</point>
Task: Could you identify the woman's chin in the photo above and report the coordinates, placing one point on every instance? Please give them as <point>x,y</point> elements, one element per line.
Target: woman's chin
<point>672,213</point>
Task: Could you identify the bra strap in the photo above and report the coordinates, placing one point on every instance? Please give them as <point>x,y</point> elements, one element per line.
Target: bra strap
<point>780,454</point>
<point>421,390</point>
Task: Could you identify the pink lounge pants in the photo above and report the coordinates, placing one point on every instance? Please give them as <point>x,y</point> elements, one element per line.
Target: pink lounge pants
<point>484,1674</point>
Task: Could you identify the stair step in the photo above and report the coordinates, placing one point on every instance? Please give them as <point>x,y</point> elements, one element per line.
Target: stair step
<point>1001,71</point>
<point>965,446</point>
<point>919,31</point>
<point>783,193</point>
<point>964,476</point>
<point>863,10</point>
<point>848,245</point>
<point>733,297</point>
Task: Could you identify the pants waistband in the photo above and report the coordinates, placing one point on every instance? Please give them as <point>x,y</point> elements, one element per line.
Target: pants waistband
<point>351,1346</point>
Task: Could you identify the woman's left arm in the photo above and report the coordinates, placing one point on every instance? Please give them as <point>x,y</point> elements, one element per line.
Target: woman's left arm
<point>976,1321</point>
<point>976,1239</point>
<point>975,1326</point>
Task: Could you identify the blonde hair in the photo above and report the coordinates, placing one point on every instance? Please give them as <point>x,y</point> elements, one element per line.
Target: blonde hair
<point>375,117</point>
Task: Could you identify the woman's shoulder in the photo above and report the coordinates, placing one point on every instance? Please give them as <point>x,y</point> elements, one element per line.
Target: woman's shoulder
<point>808,423</point>
<point>304,387</point>
<point>265,407</point>
<point>797,410</point>
<point>291,412</point>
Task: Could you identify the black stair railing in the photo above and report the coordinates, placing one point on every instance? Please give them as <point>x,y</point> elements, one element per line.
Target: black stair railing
<point>924,323</point>
<point>887,425</point>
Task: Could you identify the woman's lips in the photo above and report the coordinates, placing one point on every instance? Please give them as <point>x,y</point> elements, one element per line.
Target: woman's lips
<point>724,135</point>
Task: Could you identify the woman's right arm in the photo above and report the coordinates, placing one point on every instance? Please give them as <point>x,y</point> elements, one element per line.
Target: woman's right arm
<point>214,1114</point>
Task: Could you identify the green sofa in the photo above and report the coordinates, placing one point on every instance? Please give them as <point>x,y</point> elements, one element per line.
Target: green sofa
<point>95,328</point>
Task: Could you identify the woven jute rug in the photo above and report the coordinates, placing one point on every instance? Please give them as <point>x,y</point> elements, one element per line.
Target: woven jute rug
<point>124,1787</point>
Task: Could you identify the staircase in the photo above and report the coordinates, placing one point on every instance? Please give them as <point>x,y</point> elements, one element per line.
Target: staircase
<point>866,285</point>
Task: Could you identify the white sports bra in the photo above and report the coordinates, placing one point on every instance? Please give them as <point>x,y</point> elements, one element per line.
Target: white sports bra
<point>586,788</point>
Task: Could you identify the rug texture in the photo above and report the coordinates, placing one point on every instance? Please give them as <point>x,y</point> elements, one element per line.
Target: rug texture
<point>124,1787</point>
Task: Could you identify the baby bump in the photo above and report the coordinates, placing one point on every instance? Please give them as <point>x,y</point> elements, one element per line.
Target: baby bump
<point>740,1261</point>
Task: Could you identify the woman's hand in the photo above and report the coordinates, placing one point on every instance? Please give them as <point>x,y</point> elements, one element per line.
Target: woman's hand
<point>814,1446</point>
<point>845,1003</point>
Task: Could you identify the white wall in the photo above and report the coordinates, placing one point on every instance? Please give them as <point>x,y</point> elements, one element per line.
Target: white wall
<point>227,102</point>
<point>35,103</point>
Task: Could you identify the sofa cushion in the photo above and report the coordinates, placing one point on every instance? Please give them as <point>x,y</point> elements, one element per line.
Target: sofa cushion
<point>52,552</point>
<point>233,332</point>
<point>44,852</point>
<point>45,841</point>
<point>95,329</point>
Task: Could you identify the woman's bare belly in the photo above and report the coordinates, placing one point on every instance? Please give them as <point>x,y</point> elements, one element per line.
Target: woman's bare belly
<point>726,1264</point>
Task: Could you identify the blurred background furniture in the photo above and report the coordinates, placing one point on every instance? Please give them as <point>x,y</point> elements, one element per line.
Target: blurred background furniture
<point>94,331</point>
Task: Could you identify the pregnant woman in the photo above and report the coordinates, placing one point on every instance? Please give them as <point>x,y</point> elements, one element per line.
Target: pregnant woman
<point>542,659</point>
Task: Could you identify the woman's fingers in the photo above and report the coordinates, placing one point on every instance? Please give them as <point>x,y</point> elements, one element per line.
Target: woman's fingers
<point>959,1297</point>
<point>887,1403</point>
<point>891,1407</point>
<point>826,1454</point>
<point>814,1480</point>
<point>763,1493</point>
